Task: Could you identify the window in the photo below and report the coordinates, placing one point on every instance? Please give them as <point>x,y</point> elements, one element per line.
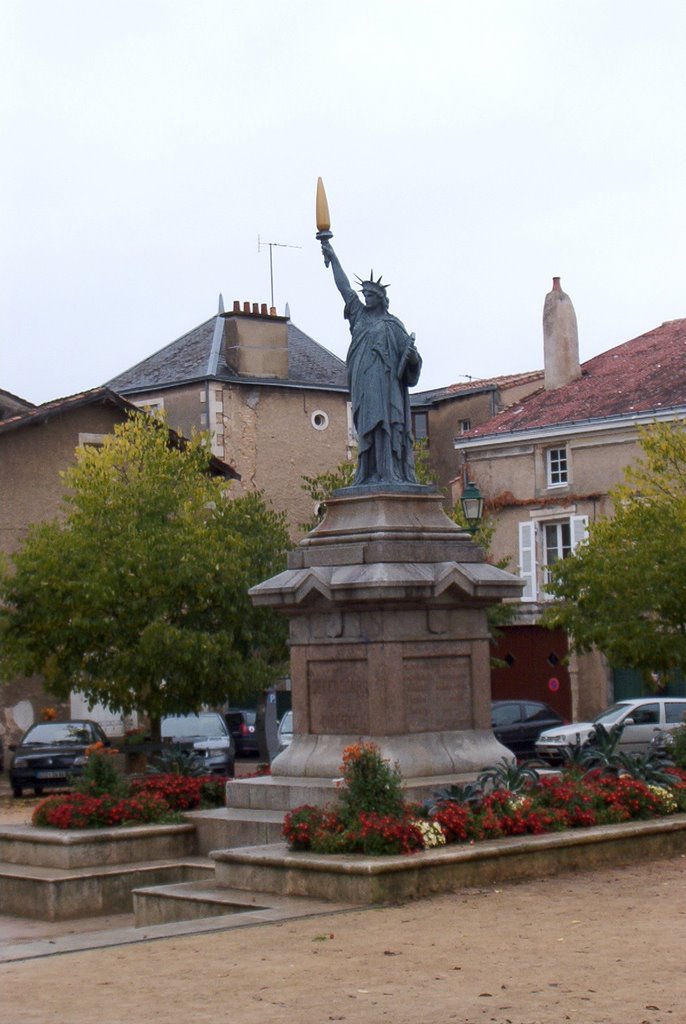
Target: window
<point>556,467</point>
<point>149,404</point>
<point>420,425</point>
<point>319,420</point>
<point>557,544</point>
<point>505,714</point>
<point>645,714</point>
<point>465,425</point>
<point>541,544</point>
<point>534,712</point>
<point>675,712</point>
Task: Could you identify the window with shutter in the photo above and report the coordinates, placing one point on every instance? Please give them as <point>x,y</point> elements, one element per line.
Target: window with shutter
<point>527,560</point>
<point>578,529</point>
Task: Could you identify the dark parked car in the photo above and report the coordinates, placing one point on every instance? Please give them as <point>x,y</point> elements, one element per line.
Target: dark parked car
<point>241,723</point>
<point>207,736</point>
<point>519,723</point>
<point>52,754</point>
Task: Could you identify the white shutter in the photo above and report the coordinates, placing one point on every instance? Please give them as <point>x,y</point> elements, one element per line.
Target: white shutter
<point>578,530</point>
<point>527,560</point>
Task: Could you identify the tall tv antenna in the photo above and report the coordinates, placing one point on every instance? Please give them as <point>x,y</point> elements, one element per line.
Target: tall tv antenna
<point>271,246</point>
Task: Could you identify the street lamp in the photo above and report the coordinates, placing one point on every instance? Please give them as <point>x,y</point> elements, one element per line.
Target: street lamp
<point>472,506</point>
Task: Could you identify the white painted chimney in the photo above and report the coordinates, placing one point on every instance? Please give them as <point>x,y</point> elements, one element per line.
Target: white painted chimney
<point>560,339</point>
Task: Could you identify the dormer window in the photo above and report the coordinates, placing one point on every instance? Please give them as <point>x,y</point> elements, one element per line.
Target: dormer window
<point>557,467</point>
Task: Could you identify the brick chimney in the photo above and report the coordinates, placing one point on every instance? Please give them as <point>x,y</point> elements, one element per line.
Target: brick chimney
<point>256,340</point>
<point>560,339</point>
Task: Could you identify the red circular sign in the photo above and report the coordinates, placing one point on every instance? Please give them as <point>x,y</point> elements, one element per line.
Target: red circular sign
<point>553,684</point>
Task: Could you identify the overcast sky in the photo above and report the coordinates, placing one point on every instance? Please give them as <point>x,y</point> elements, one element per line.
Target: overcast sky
<point>470,152</point>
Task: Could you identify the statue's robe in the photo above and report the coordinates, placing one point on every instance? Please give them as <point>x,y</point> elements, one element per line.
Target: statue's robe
<point>380,371</point>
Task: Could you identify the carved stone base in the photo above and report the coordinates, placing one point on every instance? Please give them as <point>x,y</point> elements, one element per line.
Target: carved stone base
<point>418,756</point>
<point>387,602</point>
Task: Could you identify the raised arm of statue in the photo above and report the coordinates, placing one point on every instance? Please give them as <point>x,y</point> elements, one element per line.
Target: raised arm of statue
<point>339,275</point>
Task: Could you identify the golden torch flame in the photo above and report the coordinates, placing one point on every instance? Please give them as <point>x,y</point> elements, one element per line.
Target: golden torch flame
<point>323,218</point>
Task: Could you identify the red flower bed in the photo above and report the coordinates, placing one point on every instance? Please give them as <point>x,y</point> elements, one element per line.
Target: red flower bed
<point>157,798</point>
<point>77,811</point>
<point>549,803</point>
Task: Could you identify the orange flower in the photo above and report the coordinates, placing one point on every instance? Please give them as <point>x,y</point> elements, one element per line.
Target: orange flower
<point>355,751</point>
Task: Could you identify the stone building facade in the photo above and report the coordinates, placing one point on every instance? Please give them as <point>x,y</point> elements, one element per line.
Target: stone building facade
<point>545,466</point>
<point>274,400</point>
<point>37,443</point>
<point>438,415</point>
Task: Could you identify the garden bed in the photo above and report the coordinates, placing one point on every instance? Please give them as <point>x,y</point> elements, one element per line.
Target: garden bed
<point>352,878</point>
<point>55,848</point>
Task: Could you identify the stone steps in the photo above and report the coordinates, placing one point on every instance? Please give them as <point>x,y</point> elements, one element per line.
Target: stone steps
<point>227,827</point>
<point>284,792</point>
<point>55,894</point>
<point>189,901</point>
<point>192,901</point>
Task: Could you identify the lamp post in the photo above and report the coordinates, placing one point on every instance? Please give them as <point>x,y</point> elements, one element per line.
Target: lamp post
<point>472,506</point>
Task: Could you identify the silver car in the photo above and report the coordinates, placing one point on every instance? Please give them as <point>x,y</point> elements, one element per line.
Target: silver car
<point>285,730</point>
<point>641,720</point>
<point>207,736</point>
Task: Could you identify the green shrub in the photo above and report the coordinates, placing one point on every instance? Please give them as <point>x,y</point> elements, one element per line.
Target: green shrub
<point>101,777</point>
<point>177,760</point>
<point>370,784</point>
<point>677,748</point>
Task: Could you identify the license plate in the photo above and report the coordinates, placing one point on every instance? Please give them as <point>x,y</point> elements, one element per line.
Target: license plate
<point>50,775</point>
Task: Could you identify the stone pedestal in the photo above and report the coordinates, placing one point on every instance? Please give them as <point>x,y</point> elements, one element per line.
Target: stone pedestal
<point>389,641</point>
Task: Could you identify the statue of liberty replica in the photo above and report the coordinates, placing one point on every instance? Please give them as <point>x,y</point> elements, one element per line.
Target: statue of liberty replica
<point>386,596</point>
<point>382,364</point>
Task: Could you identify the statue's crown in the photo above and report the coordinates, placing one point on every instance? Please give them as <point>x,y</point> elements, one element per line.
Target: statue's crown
<point>372,285</point>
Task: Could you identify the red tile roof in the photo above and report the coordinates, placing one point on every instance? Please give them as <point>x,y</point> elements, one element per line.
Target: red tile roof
<point>644,375</point>
<point>501,383</point>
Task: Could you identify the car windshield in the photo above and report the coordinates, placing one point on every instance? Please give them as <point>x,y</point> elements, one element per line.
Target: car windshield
<point>611,714</point>
<point>186,726</point>
<point>48,733</point>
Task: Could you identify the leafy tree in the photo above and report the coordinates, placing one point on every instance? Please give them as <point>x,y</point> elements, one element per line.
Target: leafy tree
<point>137,595</point>
<point>624,589</point>
<point>322,487</point>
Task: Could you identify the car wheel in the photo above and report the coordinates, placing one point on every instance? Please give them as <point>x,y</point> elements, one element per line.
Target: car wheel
<point>17,790</point>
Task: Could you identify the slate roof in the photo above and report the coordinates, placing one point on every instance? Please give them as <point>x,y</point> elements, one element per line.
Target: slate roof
<point>194,356</point>
<point>642,376</point>
<point>98,396</point>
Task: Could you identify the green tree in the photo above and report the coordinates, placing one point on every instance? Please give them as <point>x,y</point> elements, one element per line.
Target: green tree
<point>624,589</point>
<point>137,594</point>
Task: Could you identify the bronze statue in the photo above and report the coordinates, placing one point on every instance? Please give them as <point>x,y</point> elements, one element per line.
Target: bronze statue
<point>382,364</point>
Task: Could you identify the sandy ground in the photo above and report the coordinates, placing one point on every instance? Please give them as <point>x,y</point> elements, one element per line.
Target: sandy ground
<point>605,947</point>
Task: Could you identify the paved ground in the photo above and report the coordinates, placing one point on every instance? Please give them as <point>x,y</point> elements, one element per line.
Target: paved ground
<point>596,948</point>
<point>600,948</point>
